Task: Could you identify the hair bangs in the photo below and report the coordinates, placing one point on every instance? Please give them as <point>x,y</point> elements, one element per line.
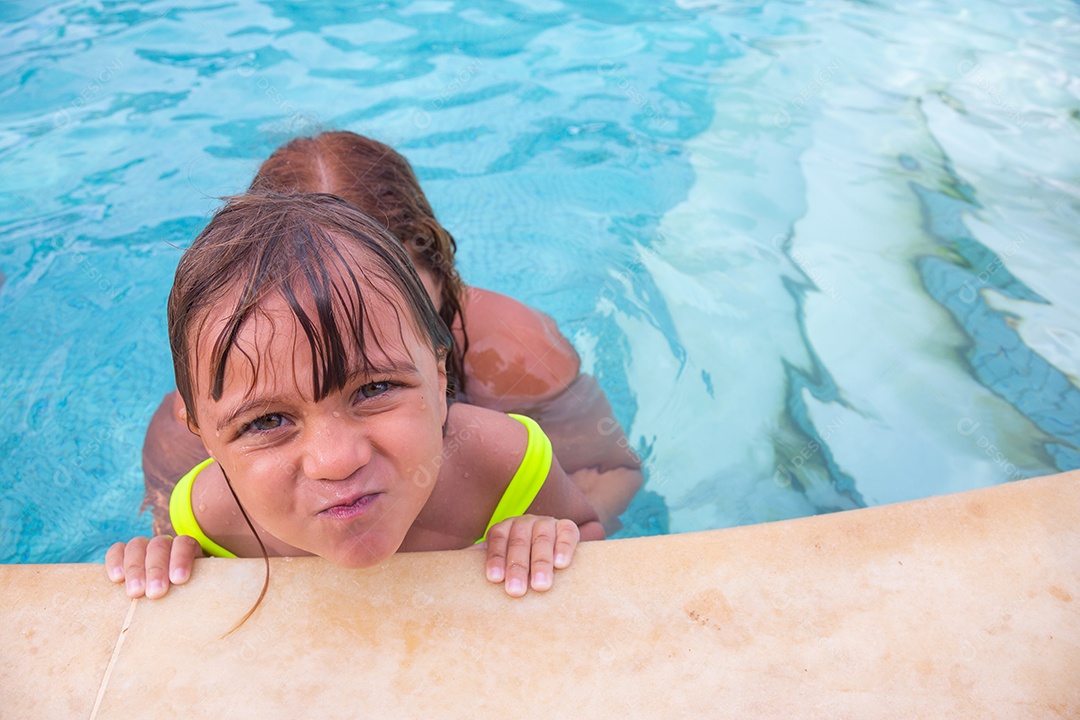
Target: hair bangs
<point>333,266</point>
<point>328,298</point>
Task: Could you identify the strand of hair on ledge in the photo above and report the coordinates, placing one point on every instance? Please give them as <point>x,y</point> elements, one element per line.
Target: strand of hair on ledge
<point>266,559</point>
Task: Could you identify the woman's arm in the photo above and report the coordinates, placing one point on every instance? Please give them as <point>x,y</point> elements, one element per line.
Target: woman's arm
<point>519,361</point>
<point>592,447</point>
<point>170,449</point>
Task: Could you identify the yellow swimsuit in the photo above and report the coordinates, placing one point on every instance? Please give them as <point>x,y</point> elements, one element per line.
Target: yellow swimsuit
<point>517,498</point>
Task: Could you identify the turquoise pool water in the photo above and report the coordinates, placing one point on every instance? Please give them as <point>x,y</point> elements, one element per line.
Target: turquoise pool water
<point>820,255</point>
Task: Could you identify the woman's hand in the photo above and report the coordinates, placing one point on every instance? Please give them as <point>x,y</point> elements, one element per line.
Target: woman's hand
<point>149,565</point>
<point>525,551</point>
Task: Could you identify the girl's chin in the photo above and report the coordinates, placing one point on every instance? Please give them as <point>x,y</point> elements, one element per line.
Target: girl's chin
<point>364,553</point>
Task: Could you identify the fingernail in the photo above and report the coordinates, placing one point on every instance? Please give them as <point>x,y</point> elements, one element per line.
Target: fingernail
<point>561,560</point>
<point>541,581</point>
<point>134,587</point>
<point>495,574</point>
<point>156,589</point>
<point>515,587</point>
<point>178,576</point>
<point>116,574</point>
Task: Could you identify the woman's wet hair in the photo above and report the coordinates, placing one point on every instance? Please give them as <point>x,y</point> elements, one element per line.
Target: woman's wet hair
<point>304,249</point>
<point>375,178</point>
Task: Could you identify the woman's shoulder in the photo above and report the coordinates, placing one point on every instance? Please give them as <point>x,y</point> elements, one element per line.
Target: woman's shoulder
<point>517,355</point>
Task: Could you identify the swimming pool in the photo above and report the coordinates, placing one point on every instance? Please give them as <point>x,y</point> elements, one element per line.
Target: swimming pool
<point>819,255</point>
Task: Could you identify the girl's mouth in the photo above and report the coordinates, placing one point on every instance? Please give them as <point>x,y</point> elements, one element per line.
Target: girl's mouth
<point>356,508</point>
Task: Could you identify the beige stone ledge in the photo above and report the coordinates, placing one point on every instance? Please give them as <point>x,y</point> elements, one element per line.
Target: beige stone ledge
<point>960,606</point>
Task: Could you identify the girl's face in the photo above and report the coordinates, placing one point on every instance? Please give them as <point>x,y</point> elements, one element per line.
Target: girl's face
<point>343,477</point>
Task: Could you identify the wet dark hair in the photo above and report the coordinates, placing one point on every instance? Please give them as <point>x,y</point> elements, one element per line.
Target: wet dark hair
<point>292,246</point>
<point>378,180</point>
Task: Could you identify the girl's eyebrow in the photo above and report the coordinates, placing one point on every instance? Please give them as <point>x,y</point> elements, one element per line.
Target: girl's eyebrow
<point>391,368</point>
<point>243,408</point>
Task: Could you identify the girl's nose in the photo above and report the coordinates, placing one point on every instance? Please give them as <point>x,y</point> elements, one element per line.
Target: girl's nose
<point>334,450</point>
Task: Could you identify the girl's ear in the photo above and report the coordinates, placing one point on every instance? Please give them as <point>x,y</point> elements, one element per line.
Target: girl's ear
<point>178,407</point>
<point>180,410</point>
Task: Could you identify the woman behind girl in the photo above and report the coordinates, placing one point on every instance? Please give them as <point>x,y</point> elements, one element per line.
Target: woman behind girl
<point>313,366</point>
<point>507,356</point>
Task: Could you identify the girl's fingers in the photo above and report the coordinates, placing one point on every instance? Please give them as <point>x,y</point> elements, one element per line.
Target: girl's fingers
<point>540,561</point>
<point>496,552</point>
<point>518,550</point>
<point>114,562</point>
<point>525,551</point>
<point>150,565</point>
<point>184,551</point>
<point>157,566</point>
<point>135,566</point>
<point>567,536</point>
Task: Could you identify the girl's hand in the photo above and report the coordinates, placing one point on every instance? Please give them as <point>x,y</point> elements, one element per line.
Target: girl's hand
<point>525,551</point>
<point>149,565</point>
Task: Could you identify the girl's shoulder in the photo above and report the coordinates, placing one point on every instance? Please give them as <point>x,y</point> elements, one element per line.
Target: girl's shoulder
<point>486,445</point>
<point>481,451</point>
<point>517,356</point>
<point>487,448</point>
<point>216,511</point>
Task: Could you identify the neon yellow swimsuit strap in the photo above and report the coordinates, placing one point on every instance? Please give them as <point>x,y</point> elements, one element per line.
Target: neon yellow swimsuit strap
<point>528,479</point>
<point>182,514</point>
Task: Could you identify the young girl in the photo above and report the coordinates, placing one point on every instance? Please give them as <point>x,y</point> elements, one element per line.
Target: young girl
<point>507,356</point>
<point>313,366</point>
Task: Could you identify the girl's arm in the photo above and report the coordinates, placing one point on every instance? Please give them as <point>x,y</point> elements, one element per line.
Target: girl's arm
<point>149,565</point>
<point>525,551</point>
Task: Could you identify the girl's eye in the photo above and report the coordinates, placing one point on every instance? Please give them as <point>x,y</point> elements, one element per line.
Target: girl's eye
<point>374,389</point>
<point>265,423</point>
